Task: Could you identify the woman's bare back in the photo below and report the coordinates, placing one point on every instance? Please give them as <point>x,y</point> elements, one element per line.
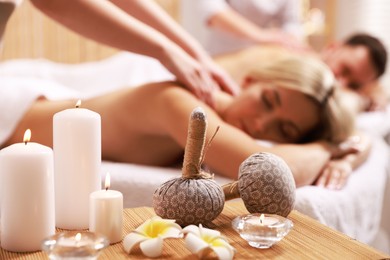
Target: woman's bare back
<point>149,124</point>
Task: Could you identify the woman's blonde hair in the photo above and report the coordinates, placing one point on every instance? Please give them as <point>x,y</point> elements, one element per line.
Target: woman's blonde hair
<point>311,76</point>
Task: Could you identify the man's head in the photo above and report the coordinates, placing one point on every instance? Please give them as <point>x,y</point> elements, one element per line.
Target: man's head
<point>358,61</point>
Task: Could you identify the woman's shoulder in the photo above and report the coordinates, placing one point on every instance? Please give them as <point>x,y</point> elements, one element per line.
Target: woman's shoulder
<point>166,101</point>
<point>173,95</point>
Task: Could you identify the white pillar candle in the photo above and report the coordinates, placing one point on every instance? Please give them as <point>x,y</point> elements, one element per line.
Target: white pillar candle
<point>77,161</point>
<point>27,180</point>
<point>106,213</point>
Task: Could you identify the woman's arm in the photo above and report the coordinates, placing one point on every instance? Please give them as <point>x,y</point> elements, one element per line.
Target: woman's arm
<point>337,171</point>
<point>234,23</point>
<point>159,114</point>
<point>102,21</point>
<point>148,12</point>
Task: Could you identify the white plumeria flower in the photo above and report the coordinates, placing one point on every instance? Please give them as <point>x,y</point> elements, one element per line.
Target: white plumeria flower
<point>202,240</point>
<point>150,236</point>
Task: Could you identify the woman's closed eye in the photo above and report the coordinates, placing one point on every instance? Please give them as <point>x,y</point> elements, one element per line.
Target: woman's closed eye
<point>270,98</point>
<point>289,131</point>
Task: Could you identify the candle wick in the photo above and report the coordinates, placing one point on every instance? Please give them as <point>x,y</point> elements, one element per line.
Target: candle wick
<point>25,143</point>
<point>261,221</point>
<point>106,188</point>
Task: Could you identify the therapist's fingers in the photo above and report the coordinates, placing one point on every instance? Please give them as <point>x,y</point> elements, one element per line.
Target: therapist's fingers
<point>225,82</point>
<point>201,84</point>
<point>195,76</point>
<point>220,76</point>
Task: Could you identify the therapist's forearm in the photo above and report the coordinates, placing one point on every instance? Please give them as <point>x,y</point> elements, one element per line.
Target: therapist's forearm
<point>6,9</point>
<point>102,21</point>
<point>231,22</point>
<point>150,13</point>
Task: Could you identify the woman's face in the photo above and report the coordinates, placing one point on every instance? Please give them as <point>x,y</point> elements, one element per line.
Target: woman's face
<point>272,113</point>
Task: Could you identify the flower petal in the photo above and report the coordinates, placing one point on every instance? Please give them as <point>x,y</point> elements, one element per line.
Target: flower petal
<point>192,229</point>
<point>152,247</point>
<point>225,251</point>
<point>157,226</point>
<point>131,240</point>
<point>202,241</point>
<point>172,230</point>
<point>195,243</point>
<point>208,233</point>
<point>143,227</point>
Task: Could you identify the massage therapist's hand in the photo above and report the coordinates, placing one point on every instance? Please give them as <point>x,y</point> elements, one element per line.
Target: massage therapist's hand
<point>335,174</point>
<point>220,76</point>
<point>200,77</point>
<point>190,73</point>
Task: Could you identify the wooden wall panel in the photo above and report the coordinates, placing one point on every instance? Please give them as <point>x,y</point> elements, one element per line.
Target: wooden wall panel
<point>30,34</point>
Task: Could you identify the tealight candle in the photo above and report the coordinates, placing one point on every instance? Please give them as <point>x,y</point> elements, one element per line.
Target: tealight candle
<point>77,161</point>
<point>27,180</point>
<point>106,212</point>
<point>263,220</point>
<point>74,245</point>
<point>262,231</point>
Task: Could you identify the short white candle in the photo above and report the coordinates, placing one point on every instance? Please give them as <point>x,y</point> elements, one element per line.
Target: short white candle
<point>106,213</point>
<point>27,207</point>
<point>77,161</point>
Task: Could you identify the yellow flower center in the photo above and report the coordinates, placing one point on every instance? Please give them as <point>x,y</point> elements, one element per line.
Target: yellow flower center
<point>156,228</point>
<point>212,240</point>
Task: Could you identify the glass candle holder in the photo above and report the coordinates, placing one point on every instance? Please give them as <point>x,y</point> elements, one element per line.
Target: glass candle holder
<point>72,245</point>
<point>262,230</point>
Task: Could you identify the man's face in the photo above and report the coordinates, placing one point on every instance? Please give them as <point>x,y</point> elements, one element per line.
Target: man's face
<point>351,65</point>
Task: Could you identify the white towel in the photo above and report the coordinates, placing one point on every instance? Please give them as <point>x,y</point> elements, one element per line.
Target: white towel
<point>23,81</point>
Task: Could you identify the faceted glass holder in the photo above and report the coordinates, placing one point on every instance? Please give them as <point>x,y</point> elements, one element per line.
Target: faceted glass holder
<point>262,234</point>
<point>72,245</point>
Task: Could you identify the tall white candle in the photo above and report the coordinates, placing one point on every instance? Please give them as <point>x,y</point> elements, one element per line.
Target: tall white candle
<point>106,213</point>
<point>27,206</point>
<point>77,161</point>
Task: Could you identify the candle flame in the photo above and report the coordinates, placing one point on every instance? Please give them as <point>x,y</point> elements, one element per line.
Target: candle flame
<point>77,237</point>
<point>107,182</point>
<point>27,136</point>
<point>261,219</point>
<point>78,104</point>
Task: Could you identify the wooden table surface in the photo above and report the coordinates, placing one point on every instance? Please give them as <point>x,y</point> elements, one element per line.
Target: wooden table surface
<point>307,240</point>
